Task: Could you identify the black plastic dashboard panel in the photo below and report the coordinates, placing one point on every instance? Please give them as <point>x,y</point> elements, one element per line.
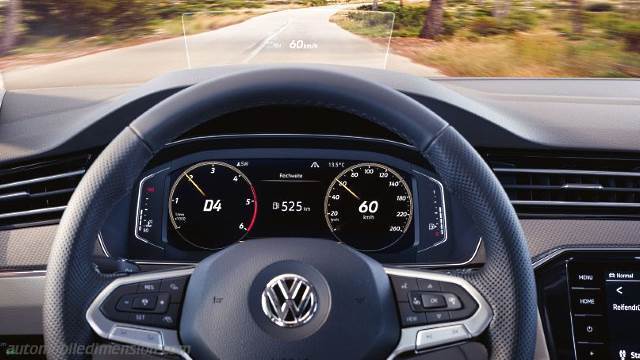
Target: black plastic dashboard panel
<point>509,113</point>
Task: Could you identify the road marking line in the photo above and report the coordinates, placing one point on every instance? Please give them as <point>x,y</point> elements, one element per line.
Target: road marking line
<point>265,42</point>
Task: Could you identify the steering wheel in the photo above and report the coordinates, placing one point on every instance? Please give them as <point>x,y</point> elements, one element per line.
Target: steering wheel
<point>283,297</point>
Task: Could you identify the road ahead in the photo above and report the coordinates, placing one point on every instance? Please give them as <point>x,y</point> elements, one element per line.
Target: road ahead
<point>290,36</point>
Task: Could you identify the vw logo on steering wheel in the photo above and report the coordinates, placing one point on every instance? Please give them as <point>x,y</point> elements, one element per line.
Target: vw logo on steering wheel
<point>289,300</point>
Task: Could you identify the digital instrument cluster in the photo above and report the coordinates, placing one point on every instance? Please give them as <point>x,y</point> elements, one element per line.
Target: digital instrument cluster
<point>209,204</point>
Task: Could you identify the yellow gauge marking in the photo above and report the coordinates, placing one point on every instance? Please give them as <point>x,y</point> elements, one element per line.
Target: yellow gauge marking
<point>189,177</point>
<point>349,190</point>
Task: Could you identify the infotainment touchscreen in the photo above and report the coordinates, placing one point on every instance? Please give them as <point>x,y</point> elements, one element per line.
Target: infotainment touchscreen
<point>605,310</point>
<point>622,293</point>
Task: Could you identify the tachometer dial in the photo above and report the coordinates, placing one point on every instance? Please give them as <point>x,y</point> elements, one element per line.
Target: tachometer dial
<point>212,204</point>
<point>368,206</point>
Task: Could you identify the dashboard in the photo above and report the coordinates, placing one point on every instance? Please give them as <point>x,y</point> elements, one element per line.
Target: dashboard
<point>193,202</point>
<point>534,133</point>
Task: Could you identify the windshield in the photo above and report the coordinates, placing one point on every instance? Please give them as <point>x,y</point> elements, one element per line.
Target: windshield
<point>49,44</point>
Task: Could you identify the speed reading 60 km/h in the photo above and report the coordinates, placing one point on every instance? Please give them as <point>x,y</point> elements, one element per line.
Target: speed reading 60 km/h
<point>368,206</point>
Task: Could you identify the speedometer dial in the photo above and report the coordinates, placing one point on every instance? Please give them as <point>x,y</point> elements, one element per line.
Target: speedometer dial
<point>368,206</point>
<point>212,204</point>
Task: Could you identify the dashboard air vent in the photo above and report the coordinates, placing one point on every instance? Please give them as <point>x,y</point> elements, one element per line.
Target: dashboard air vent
<point>569,186</point>
<point>37,193</point>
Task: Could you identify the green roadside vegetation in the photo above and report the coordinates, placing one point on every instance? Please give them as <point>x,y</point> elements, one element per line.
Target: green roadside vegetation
<point>534,38</point>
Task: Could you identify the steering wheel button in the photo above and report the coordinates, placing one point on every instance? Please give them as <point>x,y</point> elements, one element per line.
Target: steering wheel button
<point>125,303</point>
<point>410,318</point>
<point>147,338</point>
<point>175,287</point>
<point>167,320</point>
<point>432,301</point>
<point>145,302</point>
<point>141,318</point>
<point>149,286</point>
<point>162,304</point>
<point>435,317</point>
<point>428,285</point>
<point>467,306</point>
<point>415,300</point>
<point>453,302</point>
<point>403,286</point>
<point>439,336</point>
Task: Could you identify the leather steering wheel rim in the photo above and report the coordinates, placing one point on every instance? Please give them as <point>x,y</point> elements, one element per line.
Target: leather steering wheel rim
<point>506,280</point>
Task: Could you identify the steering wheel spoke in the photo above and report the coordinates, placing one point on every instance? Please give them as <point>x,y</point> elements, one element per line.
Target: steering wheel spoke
<point>436,309</point>
<point>142,310</point>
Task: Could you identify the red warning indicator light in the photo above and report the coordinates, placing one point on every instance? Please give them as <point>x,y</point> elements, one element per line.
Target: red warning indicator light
<point>151,189</point>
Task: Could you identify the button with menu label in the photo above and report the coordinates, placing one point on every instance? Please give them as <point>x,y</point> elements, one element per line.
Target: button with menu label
<point>582,276</point>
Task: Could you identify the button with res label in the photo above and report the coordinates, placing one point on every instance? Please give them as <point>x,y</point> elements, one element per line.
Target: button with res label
<point>149,286</point>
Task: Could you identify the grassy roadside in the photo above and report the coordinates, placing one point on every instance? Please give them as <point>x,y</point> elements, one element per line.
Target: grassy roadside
<point>529,43</point>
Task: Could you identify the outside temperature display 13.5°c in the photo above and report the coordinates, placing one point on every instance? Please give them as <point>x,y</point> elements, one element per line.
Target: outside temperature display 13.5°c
<point>368,206</point>
<point>212,204</point>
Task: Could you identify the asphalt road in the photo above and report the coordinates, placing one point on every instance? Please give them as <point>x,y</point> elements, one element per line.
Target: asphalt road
<point>291,36</point>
